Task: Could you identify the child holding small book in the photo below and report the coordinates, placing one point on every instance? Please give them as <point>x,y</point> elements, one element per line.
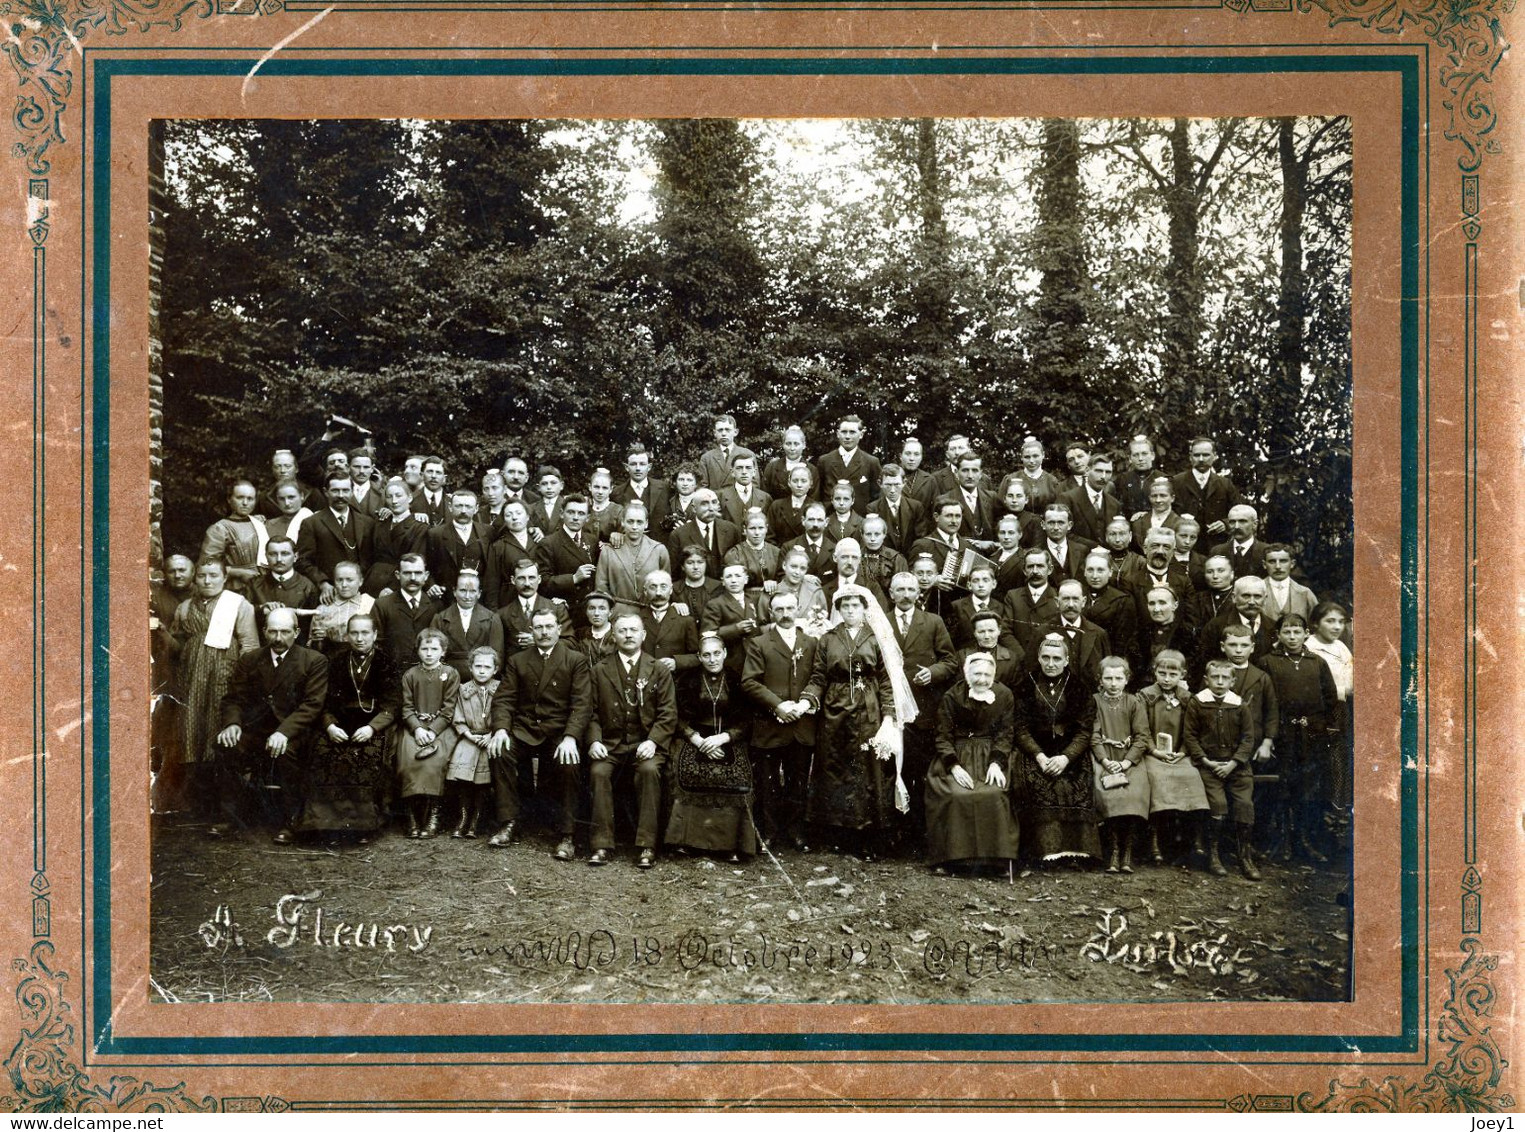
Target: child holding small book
<point>1176,796</point>
<point>1219,740</point>
<point>469,776</point>
<point>430,690</point>
<point>1119,786</point>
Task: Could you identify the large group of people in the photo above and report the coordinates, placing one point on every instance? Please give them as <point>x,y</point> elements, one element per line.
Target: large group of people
<point>874,657</point>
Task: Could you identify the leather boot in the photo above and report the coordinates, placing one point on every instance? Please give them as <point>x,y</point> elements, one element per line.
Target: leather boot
<point>414,829</point>
<point>1127,836</point>
<point>473,812</point>
<point>466,815</point>
<point>1308,823</point>
<point>1214,835</point>
<point>431,823</point>
<point>1155,855</point>
<point>1109,846</point>
<point>1247,851</point>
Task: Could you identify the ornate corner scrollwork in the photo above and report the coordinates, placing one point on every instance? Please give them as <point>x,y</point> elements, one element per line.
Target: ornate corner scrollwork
<point>41,1068</point>
<point>1464,1080</point>
<point>1471,34</point>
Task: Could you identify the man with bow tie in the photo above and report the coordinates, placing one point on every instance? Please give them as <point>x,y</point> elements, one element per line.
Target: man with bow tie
<point>1249,596</point>
<point>273,702</point>
<point>706,530</point>
<point>568,558</point>
<point>1087,640</point>
<point>540,712</point>
<point>335,534</point>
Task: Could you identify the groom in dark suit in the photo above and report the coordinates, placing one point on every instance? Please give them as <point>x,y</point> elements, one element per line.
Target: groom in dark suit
<point>268,714</point>
<point>849,462</point>
<point>775,673</point>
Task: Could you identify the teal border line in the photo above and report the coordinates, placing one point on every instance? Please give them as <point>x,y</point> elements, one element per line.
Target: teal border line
<point>99,75</point>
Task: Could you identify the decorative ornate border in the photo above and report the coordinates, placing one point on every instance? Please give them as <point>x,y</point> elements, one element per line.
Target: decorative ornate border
<point>41,1069</point>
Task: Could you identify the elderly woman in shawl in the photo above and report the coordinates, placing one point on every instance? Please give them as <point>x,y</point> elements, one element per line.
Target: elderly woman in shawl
<point>855,785</point>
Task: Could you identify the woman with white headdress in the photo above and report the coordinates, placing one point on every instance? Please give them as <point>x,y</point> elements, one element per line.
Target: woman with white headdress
<point>969,818</point>
<point>855,785</point>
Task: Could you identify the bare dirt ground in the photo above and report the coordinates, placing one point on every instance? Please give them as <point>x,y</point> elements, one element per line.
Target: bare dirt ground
<point>442,920</point>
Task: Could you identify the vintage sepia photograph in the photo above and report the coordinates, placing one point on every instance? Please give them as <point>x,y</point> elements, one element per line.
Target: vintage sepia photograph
<point>714,560</point>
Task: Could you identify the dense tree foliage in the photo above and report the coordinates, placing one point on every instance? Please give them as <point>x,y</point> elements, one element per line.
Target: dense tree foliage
<point>560,289</point>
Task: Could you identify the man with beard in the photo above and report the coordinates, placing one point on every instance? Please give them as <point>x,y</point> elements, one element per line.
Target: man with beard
<point>1032,606</point>
<point>1087,640</point>
<point>814,541</point>
<point>707,530</point>
<point>280,586</point>
<point>459,543</point>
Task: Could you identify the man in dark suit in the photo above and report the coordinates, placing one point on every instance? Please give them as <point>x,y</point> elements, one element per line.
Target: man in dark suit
<point>979,504</point>
<point>460,542</point>
<point>467,624</point>
<point>1032,606</point>
<point>568,558</point>
<point>814,541</point>
<point>540,711</point>
<point>365,494</point>
<point>1132,488</point>
<point>933,595</point>
<point>944,480</point>
<point>1066,550</point>
<point>775,476</point>
<point>279,585</point>
<point>927,652</point>
<point>1111,608</point>
<point>707,530</point>
<point>670,637</point>
<point>733,615</point>
<point>741,495</point>
<point>334,534</point>
<point>1249,596</point>
<point>401,614</point>
<point>268,714</point>
<point>903,516</point>
<point>847,569</point>
<point>1246,554</point>
<point>849,462</point>
<point>516,478</point>
<point>948,517</point>
<point>518,614</point>
<point>634,718</point>
<point>775,673</point>
<point>1155,567</point>
<point>715,466</point>
<point>638,486</point>
<point>1203,493</point>
<point>431,503</point>
<point>981,597</point>
<point>1088,640</point>
<point>1093,506</point>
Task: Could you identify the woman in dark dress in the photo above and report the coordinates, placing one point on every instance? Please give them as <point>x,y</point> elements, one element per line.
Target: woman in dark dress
<point>350,768</point>
<point>1051,774</point>
<point>853,776</point>
<point>712,775</point>
<point>969,818</point>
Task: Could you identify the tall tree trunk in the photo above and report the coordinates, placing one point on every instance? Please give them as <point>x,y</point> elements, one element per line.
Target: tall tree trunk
<point>1061,349</point>
<point>1291,308</point>
<point>1182,375</point>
